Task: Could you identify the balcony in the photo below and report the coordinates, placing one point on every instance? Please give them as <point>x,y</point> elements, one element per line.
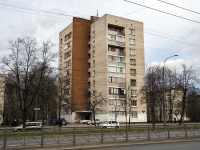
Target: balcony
<point>121,54</point>
<point>116,43</point>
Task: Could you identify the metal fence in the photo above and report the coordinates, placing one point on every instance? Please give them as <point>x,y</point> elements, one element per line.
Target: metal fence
<point>67,136</point>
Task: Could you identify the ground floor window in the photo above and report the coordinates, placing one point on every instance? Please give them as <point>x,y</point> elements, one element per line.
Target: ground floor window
<point>134,114</point>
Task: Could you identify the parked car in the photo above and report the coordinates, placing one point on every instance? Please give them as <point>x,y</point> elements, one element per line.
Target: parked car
<point>29,126</point>
<point>57,122</point>
<point>64,122</point>
<point>53,122</point>
<point>97,121</point>
<point>110,124</point>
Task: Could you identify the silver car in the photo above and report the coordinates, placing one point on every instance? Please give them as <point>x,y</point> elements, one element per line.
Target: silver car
<point>110,124</point>
<point>29,126</point>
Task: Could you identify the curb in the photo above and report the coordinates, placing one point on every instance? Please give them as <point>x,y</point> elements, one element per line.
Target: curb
<point>126,144</point>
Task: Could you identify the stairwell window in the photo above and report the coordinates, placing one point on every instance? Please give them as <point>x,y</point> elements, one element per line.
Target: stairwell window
<point>133,82</point>
<point>132,52</point>
<point>133,72</point>
<point>133,103</point>
<point>93,44</point>
<point>93,73</point>
<point>133,61</point>
<point>133,93</point>
<point>132,41</point>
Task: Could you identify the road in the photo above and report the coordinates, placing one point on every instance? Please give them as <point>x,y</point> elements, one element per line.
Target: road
<point>189,145</point>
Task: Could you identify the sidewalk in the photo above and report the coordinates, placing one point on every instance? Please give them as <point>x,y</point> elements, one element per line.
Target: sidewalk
<point>108,145</point>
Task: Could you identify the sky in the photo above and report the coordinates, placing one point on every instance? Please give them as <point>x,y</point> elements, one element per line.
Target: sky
<point>171,27</point>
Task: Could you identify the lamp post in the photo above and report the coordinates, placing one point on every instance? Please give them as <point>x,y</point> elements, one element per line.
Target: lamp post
<point>163,85</point>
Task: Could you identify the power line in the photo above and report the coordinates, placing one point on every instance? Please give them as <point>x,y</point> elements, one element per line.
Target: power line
<point>163,12</point>
<point>172,39</point>
<point>179,7</point>
<point>34,10</point>
<point>141,9</point>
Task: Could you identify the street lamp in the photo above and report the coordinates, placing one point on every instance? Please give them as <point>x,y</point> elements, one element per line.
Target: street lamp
<point>163,85</point>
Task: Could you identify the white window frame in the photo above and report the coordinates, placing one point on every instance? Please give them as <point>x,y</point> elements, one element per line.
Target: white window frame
<point>132,52</point>
<point>133,92</point>
<point>131,31</point>
<point>133,72</point>
<point>134,114</point>
<point>133,61</point>
<point>133,103</point>
<point>132,41</point>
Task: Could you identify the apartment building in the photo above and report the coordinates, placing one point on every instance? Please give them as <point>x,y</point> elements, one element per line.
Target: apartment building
<point>103,55</point>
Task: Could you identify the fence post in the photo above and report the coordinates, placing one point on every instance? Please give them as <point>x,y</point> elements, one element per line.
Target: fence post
<point>185,131</point>
<point>168,133</point>
<point>148,133</point>
<point>5,138</point>
<point>126,133</point>
<point>102,135</point>
<point>42,137</point>
<point>74,136</point>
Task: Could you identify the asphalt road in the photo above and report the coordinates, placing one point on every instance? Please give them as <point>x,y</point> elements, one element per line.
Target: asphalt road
<point>187,145</point>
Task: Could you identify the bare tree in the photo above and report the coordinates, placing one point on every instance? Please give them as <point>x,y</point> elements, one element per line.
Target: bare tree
<point>151,92</point>
<point>47,95</point>
<point>22,62</point>
<point>193,105</point>
<point>96,103</point>
<point>186,82</point>
<point>64,94</point>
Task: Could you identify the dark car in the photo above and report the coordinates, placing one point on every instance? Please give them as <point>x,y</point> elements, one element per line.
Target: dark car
<point>55,122</point>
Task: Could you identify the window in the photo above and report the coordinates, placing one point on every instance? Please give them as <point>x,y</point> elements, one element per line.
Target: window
<point>60,41</point>
<point>116,80</point>
<point>66,46</point>
<point>93,62</point>
<point>93,34</point>
<point>133,93</point>
<point>93,53</point>
<point>93,73</point>
<point>116,69</point>
<point>66,55</point>
<point>93,44</point>
<point>132,52</point>
<point>133,103</point>
<point>109,48</point>
<point>65,73</point>
<point>70,43</point>
<point>121,59</point>
<point>133,61</point>
<point>132,42</point>
<point>66,37</point>
<point>112,58</point>
<point>66,64</point>
<point>133,72</point>
<point>93,82</point>
<point>70,71</point>
<point>116,38</point>
<point>119,91</point>
<point>133,82</point>
<point>134,114</point>
<point>131,31</point>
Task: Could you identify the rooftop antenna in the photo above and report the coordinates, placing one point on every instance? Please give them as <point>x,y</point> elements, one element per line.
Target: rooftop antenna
<point>97,13</point>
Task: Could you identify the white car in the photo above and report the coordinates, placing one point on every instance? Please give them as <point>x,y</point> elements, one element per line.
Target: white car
<point>110,124</point>
<point>29,126</point>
